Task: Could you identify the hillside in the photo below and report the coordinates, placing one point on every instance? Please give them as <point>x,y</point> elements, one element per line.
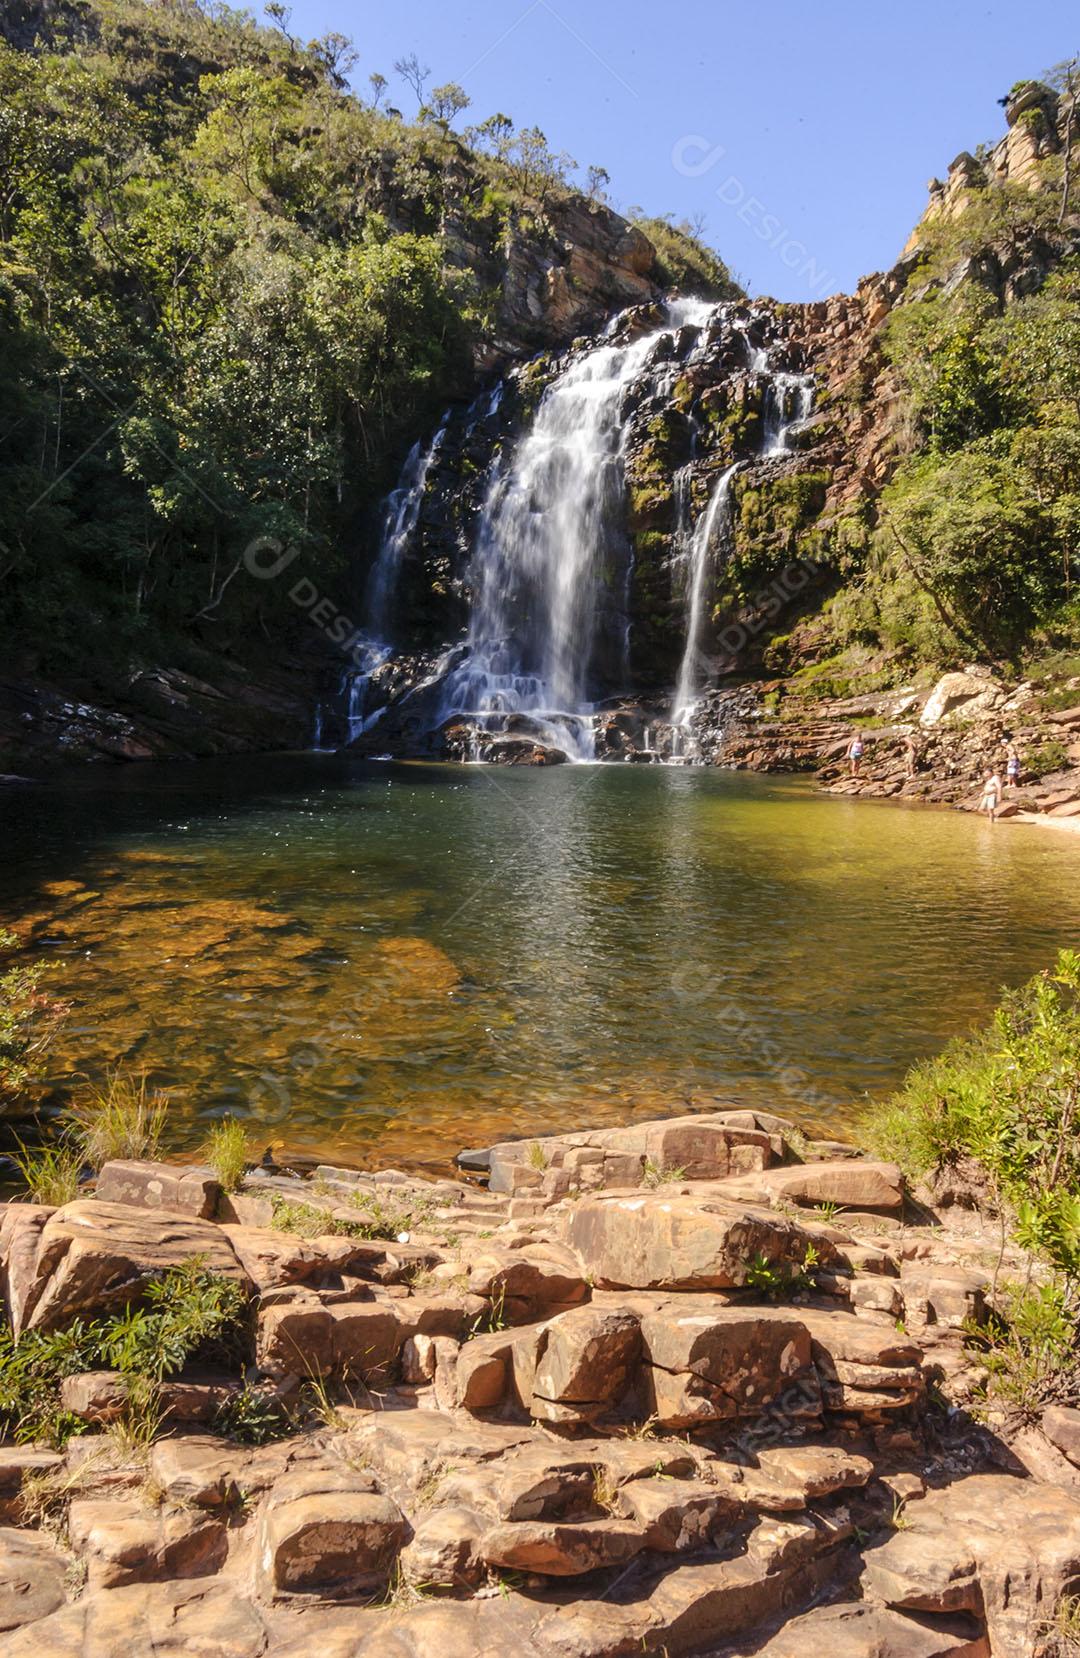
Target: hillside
<point>231,294</point>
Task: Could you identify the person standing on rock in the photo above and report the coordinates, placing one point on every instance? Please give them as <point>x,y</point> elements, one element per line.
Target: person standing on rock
<point>1012,766</point>
<point>855,752</point>
<point>912,752</point>
<point>991,795</point>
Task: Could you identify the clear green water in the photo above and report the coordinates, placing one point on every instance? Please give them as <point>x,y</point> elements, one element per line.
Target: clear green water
<point>388,962</point>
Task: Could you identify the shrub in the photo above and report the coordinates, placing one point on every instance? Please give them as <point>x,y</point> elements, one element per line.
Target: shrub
<point>189,1312</point>
<point>1008,1098</point>
<point>1030,1349</point>
<point>226,1150</point>
<point>124,1117</point>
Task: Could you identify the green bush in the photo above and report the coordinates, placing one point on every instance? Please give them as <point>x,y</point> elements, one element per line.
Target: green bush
<point>1008,1098</point>
<point>189,1312</point>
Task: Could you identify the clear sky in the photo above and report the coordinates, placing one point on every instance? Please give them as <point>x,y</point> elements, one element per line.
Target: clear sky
<point>802,135</point>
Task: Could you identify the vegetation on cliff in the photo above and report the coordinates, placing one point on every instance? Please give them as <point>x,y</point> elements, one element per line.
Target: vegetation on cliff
<point>231,293</point>
<point>977,533</point>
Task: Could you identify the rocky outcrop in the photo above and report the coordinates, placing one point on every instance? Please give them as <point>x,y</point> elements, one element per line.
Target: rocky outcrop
<point>619,1405</point>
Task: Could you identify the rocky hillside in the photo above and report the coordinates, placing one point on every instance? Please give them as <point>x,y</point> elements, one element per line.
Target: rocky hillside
<point>231,295</point>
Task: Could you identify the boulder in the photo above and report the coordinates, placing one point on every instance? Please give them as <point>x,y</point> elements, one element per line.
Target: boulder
<point>527,1283</point>
<point>482,1371</point>
<point>1061,1425</point>
<point>93,1257</point>
<point>187,1191</point>
<point>32,1576</point>
<point>328,1532</point>
<point>706,1150</point>
<point>972,694</point>
<point>585,1364</point>
<point>124,1542</point>
<point>849,1182</point>
<point>361,1339</point>
<point>1005,1549</point>
<point>656,1241</point>
<point>557,1548</point>
<point>200,1471</point>
<point>20,1237</point>
<point>707,1363</point>
<point>443,1551</point>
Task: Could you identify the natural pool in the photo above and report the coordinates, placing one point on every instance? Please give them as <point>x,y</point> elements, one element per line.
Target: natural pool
<point>387,962</point>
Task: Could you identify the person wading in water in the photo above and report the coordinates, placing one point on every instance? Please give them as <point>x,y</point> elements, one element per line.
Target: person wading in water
<point>991,795</point>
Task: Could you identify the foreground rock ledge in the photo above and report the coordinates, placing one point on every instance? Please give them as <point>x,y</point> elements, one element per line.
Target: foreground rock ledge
<point>653,1389</point>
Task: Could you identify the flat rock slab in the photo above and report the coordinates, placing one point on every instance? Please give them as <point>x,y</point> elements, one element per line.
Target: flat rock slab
<point>849,1182</point>
<point>200,1618</point>
<point>865,1631</point>
<point>126,1542</point>
<point>188,1191</point>
<point>327,1531</point>
<point>683,1241</point>
<point>95,1256</point>
<point>1003,1548</point>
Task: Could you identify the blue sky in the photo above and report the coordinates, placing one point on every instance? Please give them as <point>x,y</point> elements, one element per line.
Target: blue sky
<point>803,135</point>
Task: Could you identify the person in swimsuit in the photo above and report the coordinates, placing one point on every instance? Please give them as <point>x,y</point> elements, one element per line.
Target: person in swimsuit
<point>1012,767</point>
<point>991,795</point>
<point>855,753</point>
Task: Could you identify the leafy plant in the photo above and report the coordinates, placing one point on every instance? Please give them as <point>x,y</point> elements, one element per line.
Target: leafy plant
<point>1030,1348</point>
<point>252,1416</point>
<point>189,1311</point>
<point>1007,1099</point>
<point>660,1174</point>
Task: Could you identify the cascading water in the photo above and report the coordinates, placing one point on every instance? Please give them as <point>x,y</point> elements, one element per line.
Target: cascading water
<point>551,521</point>
<point>401,514</point>
<point>787,400</point>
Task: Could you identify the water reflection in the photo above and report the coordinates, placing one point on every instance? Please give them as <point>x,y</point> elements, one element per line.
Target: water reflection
<point>386,962</point>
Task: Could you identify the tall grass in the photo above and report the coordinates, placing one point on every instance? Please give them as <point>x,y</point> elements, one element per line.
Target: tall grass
<point>226,1150</point>
<point>123,1117</point>
<point>51,1173</point>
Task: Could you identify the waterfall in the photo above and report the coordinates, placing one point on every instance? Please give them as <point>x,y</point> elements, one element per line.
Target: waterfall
<point>400,516</point>
<point>787,400</point>
<point>550,522</point>
<point>716,519</point>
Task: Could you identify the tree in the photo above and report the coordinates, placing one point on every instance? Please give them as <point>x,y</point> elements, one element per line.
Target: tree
<point>378,84</point>
<point>414,74</point>
<point>338,57</point>
<point>445,103</point>
<point>597,180</point>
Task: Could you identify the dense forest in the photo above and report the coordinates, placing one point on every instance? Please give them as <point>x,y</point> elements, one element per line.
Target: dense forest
<point>231,294</point>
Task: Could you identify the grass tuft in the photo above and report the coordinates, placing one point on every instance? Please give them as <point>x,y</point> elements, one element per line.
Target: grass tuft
<point>226,1150</point>
<point>51,1173</point>
<point>123,1117</point>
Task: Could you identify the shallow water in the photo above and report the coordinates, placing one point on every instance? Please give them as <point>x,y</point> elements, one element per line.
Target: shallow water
<point>388,962</point>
